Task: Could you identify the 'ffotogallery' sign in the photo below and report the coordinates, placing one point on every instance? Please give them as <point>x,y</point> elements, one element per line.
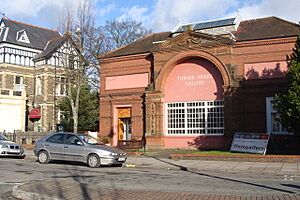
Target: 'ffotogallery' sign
<point>250,143</point>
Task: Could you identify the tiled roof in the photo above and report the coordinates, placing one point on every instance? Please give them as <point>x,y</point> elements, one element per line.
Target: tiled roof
<point>143,45</point>
<point>50,48</point>
<point>53,45</point>
<point>266,28</point>
<point>257,29</point>
<point>37,36</point>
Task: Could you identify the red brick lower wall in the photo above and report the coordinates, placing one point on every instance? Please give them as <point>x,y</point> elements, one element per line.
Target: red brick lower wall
<point>154,142</point>
<point>199,142</point>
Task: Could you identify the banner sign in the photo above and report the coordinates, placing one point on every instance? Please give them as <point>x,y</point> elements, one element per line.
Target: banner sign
<point>250,143</point>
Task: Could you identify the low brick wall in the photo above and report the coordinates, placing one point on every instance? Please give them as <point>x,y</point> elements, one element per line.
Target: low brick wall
<point>239,158</point>
<point>25,138</point>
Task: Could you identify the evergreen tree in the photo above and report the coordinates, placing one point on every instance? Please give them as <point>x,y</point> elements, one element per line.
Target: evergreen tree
<point>288,104</point>
<point>87,114</point>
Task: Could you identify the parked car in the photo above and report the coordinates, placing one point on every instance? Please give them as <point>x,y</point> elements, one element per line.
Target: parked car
<point>9,148</point>
<point>77,147</point>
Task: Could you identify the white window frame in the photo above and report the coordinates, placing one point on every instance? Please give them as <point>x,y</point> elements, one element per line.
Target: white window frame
<point>60,116</point>
<point>21,80</point>
<point>22,36</point>
<point>2,27</point>
<point>192,120</point>
<point>58,88</point>
<point>38,87</point>
<point>269,111</point>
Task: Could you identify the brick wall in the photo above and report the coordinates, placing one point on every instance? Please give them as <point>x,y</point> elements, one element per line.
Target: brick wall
<point>244,99</point>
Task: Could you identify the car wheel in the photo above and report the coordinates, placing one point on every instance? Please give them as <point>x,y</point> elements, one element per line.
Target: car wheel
<point>43,157</point>
<point>93,161</point>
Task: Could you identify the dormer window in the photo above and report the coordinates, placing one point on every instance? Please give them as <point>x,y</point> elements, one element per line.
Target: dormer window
<point>2,26</point>
<point>22,36</point>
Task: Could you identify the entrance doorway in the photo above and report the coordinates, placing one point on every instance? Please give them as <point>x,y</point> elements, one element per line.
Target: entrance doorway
<point>124,123</point>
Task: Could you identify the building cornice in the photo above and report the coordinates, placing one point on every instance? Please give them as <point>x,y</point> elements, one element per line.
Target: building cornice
<point>123,58</point>
<point>264,42</point>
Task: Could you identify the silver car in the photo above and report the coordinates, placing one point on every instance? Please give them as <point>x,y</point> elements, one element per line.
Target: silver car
<point>9,148</point>
<point>77,147</point>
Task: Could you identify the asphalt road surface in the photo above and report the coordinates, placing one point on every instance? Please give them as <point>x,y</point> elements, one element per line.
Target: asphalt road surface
<point>17,171</point>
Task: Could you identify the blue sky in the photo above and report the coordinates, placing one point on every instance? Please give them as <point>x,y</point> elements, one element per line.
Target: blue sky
<point>158,15</point>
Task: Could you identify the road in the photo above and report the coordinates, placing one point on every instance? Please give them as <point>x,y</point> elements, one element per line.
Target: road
<point>17,171</point>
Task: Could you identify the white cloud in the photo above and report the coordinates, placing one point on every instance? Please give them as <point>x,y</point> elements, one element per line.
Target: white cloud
<point>167,13</point>
<point>106,10</point>
<point>280,8</point>
<point>136,13</point>
<point>31,8</point>
<point>161,15</point>
<point>48,10</point>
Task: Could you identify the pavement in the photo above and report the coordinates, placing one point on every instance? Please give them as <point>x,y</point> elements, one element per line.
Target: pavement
<point>74,190</point>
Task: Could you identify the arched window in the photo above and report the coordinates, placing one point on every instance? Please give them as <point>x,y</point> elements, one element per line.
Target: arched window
<point>7,57</point>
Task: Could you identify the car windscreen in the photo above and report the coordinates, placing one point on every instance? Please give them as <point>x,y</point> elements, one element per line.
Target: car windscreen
<point>2,137</point>
<point>88,139</point>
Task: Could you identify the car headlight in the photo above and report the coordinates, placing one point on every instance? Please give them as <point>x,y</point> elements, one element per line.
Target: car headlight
<point>113,154</point>
<point>4,146</point>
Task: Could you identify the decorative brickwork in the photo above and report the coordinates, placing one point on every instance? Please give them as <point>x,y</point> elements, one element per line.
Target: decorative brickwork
<point>244,98</point>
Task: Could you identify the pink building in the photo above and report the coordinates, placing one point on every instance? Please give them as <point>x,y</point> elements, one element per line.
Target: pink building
<point>195,86</point>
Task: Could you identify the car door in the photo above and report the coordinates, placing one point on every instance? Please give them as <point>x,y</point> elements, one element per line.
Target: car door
<point>73,148</point>
<point>55,146</point>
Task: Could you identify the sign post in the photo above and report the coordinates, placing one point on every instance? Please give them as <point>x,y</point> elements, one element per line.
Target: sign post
<point>250,143</point>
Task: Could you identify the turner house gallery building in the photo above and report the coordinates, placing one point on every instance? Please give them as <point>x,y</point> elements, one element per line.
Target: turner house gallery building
<point>197,85</point>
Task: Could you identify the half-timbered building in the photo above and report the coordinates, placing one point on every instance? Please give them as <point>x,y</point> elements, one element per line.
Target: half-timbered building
<point>31,76</point>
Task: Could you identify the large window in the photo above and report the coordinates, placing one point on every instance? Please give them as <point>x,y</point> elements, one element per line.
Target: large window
<point>273,124</point>
<point>60,86</point>
<point>200,117</point>
<point>19,83</point>
<point>18,80</point>
<point>38,85</point>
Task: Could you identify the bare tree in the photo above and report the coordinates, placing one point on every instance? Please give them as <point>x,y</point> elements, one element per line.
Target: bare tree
<point>90,41</point>
<point>124,32</point>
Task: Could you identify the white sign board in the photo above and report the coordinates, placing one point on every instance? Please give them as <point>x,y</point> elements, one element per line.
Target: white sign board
<point>250,143</point>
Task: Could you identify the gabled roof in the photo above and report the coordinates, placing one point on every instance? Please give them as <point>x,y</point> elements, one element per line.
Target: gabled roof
<point>256,29</point>
<point>143,45</point>
<point>266,28</point>
<point>37,36</point>
<point>53,45</point>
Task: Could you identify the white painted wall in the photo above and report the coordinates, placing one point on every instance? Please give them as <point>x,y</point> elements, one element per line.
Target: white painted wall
<point>12,112</point>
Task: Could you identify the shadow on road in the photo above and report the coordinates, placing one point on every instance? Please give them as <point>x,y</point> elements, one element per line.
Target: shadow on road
<point>183,168</point>
<point>292,186</point>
